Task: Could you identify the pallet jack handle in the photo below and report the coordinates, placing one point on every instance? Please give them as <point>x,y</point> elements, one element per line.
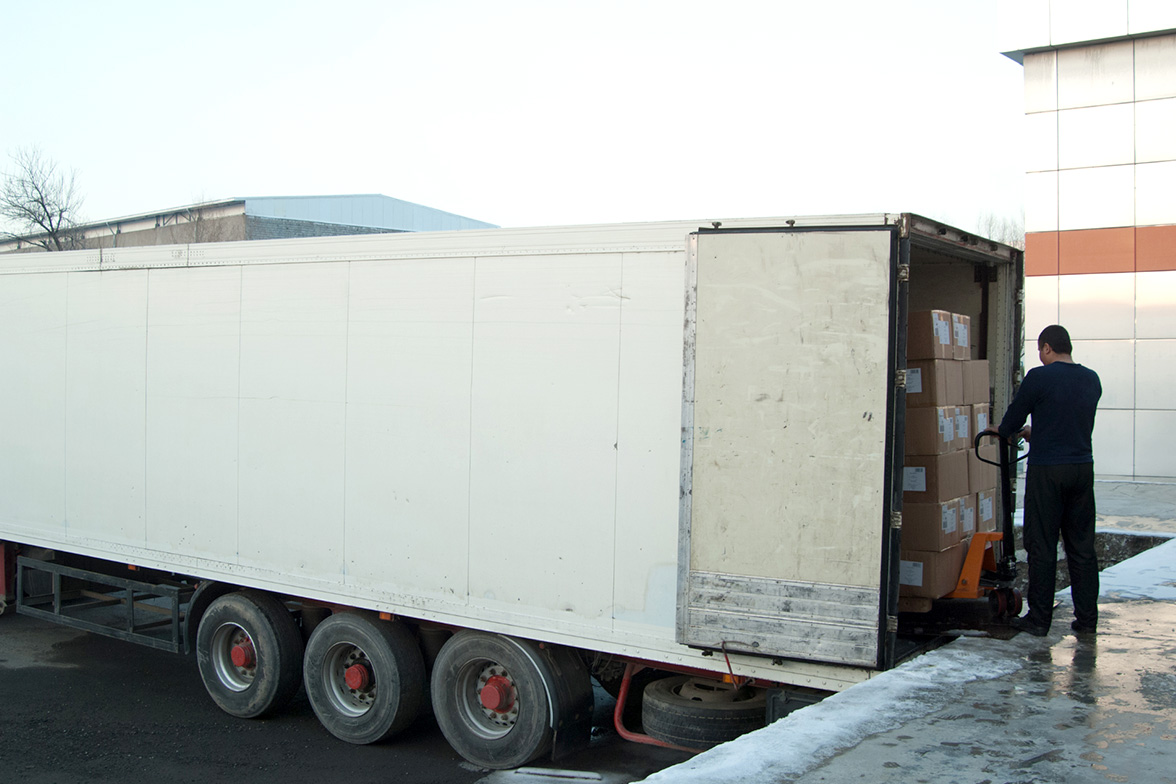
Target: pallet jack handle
<point>1007,563</point>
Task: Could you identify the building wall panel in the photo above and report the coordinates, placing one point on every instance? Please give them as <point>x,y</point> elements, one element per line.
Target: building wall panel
<point>1096,198</point>
<point>1096,136</point>
<point>1155,193</point>
<point>1155,66</point>
<point>1155,372</point>
<point>1041,201</point>
<point>1096,75</point>
<point>1041,141</point>
<point>1041,304</point>
<point>1097,307</point>
<point>1154,455</point>
<point>1155,130</point>
<point>1155,315</point>
<point>1114,361</point>
<point>1041,82</point>
<point>1114,442</point>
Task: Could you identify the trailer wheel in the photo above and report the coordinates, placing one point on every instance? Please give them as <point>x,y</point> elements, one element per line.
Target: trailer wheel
<point>249,652</point>
<point>490,700</point>
<point>365,678</point>
<point>699,713</point>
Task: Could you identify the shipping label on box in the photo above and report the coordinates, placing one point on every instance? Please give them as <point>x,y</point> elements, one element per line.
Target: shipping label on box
<point>935,478</point>
<point>986,510</point>
<point>980,421</point>
<point>963,422</point>
<point>934,382</point>
<point>929,335</point>
<point>967,517</point>
<point>961,328</point>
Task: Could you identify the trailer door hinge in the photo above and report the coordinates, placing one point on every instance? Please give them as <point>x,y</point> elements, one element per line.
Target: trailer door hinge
<point>896,520</point>
<point>892,624</point>
<point>900,378</point>
<point>904,273</point>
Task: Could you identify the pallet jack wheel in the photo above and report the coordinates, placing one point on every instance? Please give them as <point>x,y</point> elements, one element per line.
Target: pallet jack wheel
<point>1005,602</point>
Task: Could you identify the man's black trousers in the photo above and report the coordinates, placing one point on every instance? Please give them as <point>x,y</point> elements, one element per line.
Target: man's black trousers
<point>1059,499</point>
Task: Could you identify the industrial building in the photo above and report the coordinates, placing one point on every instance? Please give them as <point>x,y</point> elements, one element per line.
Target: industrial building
<point>1100,208</point>
<point>276,217</point>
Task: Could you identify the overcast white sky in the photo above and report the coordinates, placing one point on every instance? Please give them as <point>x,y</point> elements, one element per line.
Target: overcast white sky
<point>524,112</point>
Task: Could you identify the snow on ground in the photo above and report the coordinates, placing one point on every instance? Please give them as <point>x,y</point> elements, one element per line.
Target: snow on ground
<point>805,738</point>
<point>1149,575</point>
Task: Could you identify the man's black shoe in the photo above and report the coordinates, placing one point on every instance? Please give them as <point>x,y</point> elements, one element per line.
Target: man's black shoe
<point>1082,628</point>
<point>1024,625</point>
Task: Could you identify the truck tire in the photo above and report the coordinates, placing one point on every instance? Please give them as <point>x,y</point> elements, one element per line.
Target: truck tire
<point>365,678</point>
<point>699,713</point>
<point>249,652</point>
<point>490,699</point>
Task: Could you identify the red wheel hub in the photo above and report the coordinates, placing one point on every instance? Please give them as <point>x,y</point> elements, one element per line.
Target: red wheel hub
<point>497,694</point>
<point>243,655</point>
<point>358,676</point>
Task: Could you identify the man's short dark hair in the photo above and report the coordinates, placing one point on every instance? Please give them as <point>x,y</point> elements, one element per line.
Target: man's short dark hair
<point>1057,338</point>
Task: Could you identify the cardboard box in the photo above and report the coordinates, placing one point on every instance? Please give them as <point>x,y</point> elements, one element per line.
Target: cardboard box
<point>986,510</point>
<point>930,431</point>
<point>963,427</point>
<point>934,382</point>
<point>968,519</point>
<point>929,335</point>
<point>931,527</point>
<point>931,479</point>
<point>961,336</point>
<point>977,386</point>
<point>928,574</point>
<point>981,475</point>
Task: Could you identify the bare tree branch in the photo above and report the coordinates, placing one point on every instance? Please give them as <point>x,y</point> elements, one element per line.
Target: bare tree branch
<point>41,203</point>
<point>1005,229</point>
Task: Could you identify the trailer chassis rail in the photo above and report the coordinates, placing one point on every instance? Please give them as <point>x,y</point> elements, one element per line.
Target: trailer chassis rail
<point>64,606</point>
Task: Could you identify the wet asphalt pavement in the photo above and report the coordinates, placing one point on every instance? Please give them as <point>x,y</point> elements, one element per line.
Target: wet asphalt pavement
<point>77,707</point>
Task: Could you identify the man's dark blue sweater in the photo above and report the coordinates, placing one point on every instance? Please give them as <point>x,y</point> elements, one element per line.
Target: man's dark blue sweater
<point>1062,397</point>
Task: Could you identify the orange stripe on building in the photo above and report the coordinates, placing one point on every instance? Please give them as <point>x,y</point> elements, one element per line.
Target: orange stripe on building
<point>1041,253</point>
<point>1093,251</point>
<point>1096,250</point>
<point>1155,248</point>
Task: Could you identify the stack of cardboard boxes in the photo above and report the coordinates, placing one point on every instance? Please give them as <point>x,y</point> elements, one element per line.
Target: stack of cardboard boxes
<point>948,494</point>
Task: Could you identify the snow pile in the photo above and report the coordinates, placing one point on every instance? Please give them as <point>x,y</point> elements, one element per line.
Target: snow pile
<point>1149,575</point>
<point>805,738</point>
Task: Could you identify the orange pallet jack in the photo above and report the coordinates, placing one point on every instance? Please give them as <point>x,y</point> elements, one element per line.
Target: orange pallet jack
<point>984,597</point>
<point>990,566</point>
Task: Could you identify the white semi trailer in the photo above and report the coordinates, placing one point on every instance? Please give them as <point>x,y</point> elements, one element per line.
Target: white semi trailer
<point>481,465</point>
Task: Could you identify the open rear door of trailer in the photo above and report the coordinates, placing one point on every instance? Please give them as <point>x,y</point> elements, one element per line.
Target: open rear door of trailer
<point>788,442</point>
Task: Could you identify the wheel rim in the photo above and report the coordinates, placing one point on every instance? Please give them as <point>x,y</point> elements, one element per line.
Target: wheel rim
<point>349,680</point>
<point>234,656</point>
<point>488,698</point>
<point>710,692</point>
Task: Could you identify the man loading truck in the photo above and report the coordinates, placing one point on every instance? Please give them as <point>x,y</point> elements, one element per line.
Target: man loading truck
<point>1062,397</point>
